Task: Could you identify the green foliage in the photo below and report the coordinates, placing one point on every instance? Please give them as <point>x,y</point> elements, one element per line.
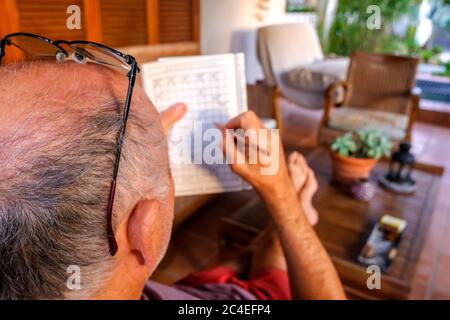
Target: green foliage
<point>427,54</point>
<point>349,31</point>
<point>446,73</point>
<point>363,144</point>
<point>345,145</point>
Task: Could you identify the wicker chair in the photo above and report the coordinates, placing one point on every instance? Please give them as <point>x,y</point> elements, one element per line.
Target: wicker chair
<point>378,94</point>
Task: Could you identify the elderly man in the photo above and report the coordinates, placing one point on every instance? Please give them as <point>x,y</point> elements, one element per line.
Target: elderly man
<point>58,132</point>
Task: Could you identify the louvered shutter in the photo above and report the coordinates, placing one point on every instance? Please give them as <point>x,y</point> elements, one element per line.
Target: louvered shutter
<point>124,23</point>
<point>48,18</point>
<point>175,20</point>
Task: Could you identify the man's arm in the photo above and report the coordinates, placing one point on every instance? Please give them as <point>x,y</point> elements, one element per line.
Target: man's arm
<point>311,272</point>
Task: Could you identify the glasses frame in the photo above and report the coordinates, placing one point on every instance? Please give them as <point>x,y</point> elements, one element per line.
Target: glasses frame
<point>131,74</point>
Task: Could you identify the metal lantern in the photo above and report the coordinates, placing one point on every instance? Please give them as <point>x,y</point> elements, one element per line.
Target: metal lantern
<point>399,178</point>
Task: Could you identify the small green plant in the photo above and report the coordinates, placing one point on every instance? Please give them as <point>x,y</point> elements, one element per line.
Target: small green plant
<point>428,54</point>
<point>446,72</point>
<point>363,144</point>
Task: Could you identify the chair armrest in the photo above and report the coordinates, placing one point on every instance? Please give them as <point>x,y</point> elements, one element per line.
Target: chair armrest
<point>330,99</point>
<point>414,94</point>
<point>332,91</point>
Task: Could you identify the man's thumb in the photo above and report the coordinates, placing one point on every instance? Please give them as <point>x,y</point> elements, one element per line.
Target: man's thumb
<point>172,115</point>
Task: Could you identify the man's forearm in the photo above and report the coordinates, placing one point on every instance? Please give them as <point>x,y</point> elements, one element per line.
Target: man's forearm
<point>311,272</point>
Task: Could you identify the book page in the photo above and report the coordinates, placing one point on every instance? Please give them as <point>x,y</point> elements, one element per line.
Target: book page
<point>214,89</point>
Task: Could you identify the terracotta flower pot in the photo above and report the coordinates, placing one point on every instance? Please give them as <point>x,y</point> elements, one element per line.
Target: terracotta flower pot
<point>347,170</point>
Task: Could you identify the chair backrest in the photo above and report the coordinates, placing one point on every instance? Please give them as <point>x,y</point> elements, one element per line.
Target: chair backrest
<point>381,82</point>
<point>284,47</point>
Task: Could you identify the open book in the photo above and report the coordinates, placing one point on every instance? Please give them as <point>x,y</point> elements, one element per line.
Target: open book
<point>214,89</point>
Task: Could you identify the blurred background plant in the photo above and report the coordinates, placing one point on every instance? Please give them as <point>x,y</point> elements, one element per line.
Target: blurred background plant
<point>296,6</point>
<point>349,30</point>
<point>409,27</point>
<point>446,72</point>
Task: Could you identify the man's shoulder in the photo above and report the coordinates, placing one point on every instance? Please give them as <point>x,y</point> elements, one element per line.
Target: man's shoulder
<point>157,291</point>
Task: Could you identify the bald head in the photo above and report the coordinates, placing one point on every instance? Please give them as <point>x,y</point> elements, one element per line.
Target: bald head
<point>58,130</point>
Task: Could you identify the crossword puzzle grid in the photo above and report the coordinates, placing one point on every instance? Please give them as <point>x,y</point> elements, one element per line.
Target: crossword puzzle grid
<point>209,97</point>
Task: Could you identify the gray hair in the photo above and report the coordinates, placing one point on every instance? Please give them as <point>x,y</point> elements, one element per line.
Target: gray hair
<point>56,169</point>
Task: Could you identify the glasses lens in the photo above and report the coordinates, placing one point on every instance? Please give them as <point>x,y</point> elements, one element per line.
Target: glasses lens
<point>31,48</point>
<point>102,56</point>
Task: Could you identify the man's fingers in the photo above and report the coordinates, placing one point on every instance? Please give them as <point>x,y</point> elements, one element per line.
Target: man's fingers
<point>172,114</point>
<point>228,146</point>
<point>234,123</point>
<point>246,120</point>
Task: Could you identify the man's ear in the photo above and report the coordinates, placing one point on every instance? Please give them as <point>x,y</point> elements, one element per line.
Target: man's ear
<point>144,232</point>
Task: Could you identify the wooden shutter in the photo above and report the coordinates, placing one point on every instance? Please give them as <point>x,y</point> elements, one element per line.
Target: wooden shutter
<point>48,18</point>
<point>124,23</point>
<point>116,23</point>
<point>175,20</point>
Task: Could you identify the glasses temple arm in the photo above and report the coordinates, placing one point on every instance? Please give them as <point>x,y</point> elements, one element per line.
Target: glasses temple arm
<point>109,229</point>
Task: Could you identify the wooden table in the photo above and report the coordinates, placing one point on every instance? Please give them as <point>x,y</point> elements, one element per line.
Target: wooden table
<point>345,224</point>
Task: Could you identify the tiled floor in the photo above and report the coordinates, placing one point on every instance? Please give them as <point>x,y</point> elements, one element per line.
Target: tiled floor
<point>196,243</point>
<point>432,278</point>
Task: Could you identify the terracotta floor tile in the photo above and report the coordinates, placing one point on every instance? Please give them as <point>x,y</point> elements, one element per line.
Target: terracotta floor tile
<point>435,156</point>
<point>432,245</point>
<point>445,248</point>
<point>423,272</point>
<point>446,178</point>
<point>437,148</point>
<point>418,292</point>
<point>440,146</point>
<point>440,214</point>
<point>441,281</point>
<point>424,130</point>
<point>440,295</point>
<point>440,132</point>
<point>421,135</point>
<point>428,258</point>
<point>419,146</point>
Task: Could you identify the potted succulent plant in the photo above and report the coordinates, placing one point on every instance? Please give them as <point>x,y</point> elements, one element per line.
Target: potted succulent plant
<point>355,154</point>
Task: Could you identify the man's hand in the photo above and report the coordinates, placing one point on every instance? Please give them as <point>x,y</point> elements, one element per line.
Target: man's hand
<point>311,272</point>
<point>172,114</point>
<point>266,184</point>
